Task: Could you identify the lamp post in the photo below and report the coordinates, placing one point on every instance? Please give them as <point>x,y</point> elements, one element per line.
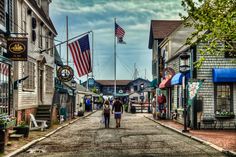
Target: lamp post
<point>142,96</point>
<point>73,85</point>
<point>184,68</point>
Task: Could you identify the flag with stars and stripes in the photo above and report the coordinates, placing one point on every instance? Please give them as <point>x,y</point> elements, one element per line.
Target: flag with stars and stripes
<point>4,69</point>
<point>80,51</point>
<point>119,33</point>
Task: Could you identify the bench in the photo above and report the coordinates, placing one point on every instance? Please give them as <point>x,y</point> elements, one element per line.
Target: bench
<point>208,120</point>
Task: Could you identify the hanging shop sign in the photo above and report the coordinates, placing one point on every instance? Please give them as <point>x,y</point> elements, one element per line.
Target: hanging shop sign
<point>193,88</point>
<point>17,48</point>
<point>65,73</point>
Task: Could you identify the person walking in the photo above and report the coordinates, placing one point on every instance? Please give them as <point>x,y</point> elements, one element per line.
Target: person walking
<point>118,107</point>
<point>106,113</point>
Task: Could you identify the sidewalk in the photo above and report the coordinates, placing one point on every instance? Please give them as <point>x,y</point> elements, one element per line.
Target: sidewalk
<point>222,140</point>
<point>36,136</point>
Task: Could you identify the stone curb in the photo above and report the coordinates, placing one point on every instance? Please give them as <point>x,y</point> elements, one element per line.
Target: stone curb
<point>25,147</point>
<point>227,152</point>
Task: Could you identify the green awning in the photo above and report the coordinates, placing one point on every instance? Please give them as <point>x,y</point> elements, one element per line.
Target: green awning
<point>58,60</point>
<point>121,95</point>
<point>153,83</point>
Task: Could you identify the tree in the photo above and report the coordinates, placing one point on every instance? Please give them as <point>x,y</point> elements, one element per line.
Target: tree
<point>95,90</point>
<point>214,22</point>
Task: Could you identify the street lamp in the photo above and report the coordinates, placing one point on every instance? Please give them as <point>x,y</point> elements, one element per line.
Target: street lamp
<point>73,86</point>
<point>184,68</point>
<point>141,96</point>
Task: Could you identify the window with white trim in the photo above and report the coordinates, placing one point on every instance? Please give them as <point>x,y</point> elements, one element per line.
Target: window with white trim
<point>50,46</point>
<point>24,23</point>
<point>223,98</point>
<point>49,79</point>
<point>29,70</point>
<point>47,43</point>
<point>40,36</point>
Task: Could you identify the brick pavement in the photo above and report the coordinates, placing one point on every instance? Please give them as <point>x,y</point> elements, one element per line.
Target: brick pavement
<point>225,139</point>
<point>34,136</point>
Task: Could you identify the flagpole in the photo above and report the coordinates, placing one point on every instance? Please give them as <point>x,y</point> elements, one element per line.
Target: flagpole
<point>67,52</point>
<point>115,57</point>
<point>92,51</point>
<point>87,83</point>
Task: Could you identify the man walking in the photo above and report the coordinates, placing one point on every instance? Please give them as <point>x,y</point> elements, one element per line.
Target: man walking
<point>118,107</point>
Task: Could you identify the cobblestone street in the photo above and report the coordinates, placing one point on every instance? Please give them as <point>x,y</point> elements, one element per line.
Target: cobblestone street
<point>137,136</point>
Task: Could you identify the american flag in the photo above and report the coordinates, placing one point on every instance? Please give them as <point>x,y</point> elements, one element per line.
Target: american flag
<point>119,33</point>
<point>80,51</point>
<point>4,69</point>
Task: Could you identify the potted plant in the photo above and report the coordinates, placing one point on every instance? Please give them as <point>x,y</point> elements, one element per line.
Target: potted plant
<point>2,123</point>
<point>22,128</point>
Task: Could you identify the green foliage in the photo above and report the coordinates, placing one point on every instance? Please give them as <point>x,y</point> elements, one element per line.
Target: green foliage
<point>214,22</point>
<point>94,90</point>
<point>126,107</point>
<point>22,124</point>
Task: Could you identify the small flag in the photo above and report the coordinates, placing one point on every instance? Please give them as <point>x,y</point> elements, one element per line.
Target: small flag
<point>193,87</point>
<point>80,51</point>
<point>4,69</point>
<point>119,33</point>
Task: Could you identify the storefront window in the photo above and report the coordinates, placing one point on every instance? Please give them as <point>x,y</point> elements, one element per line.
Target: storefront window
<point>4,88</point>
<point>29,70</point>
<point>223,98</point>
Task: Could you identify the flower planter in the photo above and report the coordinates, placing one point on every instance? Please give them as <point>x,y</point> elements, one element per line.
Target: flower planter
<point>224,116</point>
<point>22,130</point>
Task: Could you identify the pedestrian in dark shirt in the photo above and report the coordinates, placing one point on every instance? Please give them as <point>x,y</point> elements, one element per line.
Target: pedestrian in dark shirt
<point>118,108</point>
<point>106,113</point>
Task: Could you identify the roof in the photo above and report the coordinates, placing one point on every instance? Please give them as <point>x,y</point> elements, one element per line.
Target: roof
<point>111,82</point>
<point>43,15</point>
<point>162,28</point>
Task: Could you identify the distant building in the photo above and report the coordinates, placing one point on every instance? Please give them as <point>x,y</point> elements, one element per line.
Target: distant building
<point>106,87</point>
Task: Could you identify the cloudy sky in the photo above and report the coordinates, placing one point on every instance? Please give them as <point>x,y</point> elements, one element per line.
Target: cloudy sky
<point>133,16</point>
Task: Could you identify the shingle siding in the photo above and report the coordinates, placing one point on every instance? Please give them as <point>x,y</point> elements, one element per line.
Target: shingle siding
<point>205,72</point>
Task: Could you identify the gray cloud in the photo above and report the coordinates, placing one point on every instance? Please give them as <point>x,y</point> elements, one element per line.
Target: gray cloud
<point>133,16</point>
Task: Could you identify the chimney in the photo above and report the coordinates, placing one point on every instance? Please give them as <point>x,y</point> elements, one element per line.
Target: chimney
<point>45,6</point>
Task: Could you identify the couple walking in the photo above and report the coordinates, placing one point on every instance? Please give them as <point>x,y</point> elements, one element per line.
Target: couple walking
<point>117,107</point>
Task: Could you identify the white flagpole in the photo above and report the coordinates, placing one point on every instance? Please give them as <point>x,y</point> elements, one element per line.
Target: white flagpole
<point>92,52</point>
<point>67,36</point>
<point>115,57</point>
<point>87,83</point>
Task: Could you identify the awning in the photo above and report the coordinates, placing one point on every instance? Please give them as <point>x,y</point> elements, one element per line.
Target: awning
<point>177,79</point>
<point>165,83</point>
<point>57,57</point>
<point>153,83</point>
<point>224,75</point>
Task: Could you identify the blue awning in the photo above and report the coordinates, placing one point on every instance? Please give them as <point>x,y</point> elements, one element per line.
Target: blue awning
<point>177,79</point>
<point>224,75</point>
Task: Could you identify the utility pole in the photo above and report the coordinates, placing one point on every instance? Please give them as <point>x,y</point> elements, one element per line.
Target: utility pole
<point>67,36</point>
<point>135,72</point>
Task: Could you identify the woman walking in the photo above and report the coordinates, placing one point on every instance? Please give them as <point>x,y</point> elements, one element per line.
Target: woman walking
<point>106,113</point>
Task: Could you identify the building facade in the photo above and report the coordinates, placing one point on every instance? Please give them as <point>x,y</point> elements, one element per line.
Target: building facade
<point>106,87</point>
<point>7,14</point>
<point>216,97</point>
<point>33,22</point>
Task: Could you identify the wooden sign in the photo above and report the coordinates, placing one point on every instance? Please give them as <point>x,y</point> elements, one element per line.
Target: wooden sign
<point>17,49</point>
